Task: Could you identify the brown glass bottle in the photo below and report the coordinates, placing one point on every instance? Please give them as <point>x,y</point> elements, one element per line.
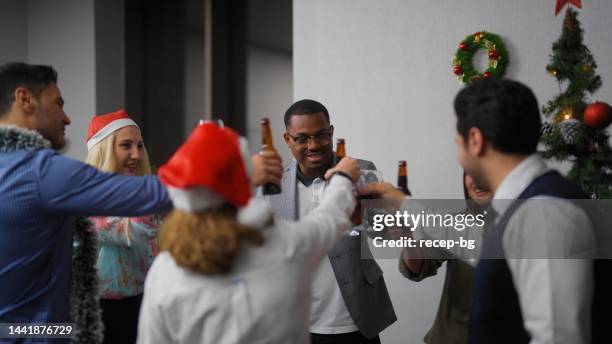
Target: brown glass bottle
<point>340,149</point>
<point>402,177</point>
<point>267,144</point>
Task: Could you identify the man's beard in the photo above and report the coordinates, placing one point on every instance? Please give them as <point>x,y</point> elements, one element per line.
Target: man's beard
<point>480,181</point>
<point>59,145</point>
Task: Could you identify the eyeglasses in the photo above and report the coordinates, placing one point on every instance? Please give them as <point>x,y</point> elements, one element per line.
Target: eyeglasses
<point>323,138</point>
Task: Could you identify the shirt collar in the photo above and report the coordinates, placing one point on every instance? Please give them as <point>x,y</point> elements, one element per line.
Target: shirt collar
<point>307,181</point>
<point>517,181</point>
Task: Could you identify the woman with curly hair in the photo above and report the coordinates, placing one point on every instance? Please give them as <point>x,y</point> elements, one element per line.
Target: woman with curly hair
<point>228,272</point>
<point>127,245</point>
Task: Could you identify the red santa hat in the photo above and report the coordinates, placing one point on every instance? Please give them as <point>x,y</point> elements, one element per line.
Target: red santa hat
<point>102,126</point>
<point>209,169</point>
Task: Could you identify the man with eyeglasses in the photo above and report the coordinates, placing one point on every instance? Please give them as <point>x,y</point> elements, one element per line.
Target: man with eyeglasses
<point>350,302</point>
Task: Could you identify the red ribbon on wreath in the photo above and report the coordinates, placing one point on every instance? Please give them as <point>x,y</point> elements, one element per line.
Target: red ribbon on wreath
<point>561,3</point>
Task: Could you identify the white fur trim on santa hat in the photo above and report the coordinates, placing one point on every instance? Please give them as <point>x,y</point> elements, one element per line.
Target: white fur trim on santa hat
<point>194,199</point>
<point>256,214</point>
<point>199,198</point>
<point>109,129</point>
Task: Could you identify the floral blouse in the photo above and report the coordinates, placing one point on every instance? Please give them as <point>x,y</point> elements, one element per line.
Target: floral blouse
<point>127,249</point>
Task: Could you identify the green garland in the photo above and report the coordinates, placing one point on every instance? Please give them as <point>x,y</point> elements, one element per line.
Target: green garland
<point>496,50</point>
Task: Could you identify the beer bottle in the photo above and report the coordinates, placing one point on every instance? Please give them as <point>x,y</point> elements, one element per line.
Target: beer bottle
<point>266,137</point>
<point>402,177</point>
<point>340,150</point>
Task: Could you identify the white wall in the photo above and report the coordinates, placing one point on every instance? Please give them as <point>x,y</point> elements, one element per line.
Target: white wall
<point>61,33</point>
<point>383,70</point>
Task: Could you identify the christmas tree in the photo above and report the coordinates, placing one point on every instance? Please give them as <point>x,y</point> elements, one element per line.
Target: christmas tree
<point>575,130</point>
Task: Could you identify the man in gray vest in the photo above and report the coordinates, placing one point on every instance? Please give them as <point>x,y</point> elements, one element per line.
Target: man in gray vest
<point>531,284</point>
<point>350,302</point>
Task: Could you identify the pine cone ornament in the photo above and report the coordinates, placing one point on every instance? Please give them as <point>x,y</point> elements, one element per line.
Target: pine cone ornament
<point>570,129</point>
<point>547,129</point>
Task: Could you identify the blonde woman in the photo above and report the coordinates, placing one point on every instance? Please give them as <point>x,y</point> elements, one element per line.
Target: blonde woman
<point>127,245</point>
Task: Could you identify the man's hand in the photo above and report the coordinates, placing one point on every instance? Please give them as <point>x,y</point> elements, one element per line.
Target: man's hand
<point>383,191</point>
<point>267,168</point>
<point>350,167</point>
<point>347,165</point>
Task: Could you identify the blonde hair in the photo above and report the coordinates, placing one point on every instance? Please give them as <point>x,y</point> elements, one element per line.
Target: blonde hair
<point>102,157</point>
<point>206,242</point>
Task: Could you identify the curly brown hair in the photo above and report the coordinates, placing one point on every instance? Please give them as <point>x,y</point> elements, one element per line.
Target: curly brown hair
<point>206,242</point>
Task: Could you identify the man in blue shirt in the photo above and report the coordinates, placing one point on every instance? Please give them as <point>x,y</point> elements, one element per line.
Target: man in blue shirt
<point>42,193</point>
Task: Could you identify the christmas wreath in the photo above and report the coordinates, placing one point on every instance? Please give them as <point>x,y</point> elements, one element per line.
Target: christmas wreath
<point>496,50</point>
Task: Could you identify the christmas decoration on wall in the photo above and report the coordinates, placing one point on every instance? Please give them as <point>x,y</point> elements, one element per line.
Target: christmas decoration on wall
<point>462,64</point>
<point>574,130</point>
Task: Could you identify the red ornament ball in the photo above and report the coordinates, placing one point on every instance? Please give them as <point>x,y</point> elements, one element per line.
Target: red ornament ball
<point>463,46</point>
<point>493,54</point>
<point>457,70</point>
<point>598,115</point>
<point>486,74</point>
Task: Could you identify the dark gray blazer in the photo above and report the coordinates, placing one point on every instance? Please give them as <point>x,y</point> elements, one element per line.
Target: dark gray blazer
<point>361,282</point>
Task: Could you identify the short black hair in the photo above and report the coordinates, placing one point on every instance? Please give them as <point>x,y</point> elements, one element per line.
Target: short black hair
<point>506,112</point>
<point>305,107</point>
<point>18,74</point>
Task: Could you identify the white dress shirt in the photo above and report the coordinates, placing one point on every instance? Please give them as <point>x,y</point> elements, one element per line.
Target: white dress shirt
<point>555,294</point>
<point>328,313</point>
<point>266,296</point>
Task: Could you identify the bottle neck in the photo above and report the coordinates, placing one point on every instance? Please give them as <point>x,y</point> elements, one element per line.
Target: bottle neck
<point>266,137</point>
<point>402,179</point>
<point>340,151</point>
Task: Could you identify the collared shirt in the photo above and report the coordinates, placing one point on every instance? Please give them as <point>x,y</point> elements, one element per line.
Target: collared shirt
<point>328,313</point>
<point>555,294</point>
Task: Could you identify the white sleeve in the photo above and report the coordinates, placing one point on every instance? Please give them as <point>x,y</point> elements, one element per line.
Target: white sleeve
<point>555,294</point>
<point>151,323</point>
<point>318,232</point>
